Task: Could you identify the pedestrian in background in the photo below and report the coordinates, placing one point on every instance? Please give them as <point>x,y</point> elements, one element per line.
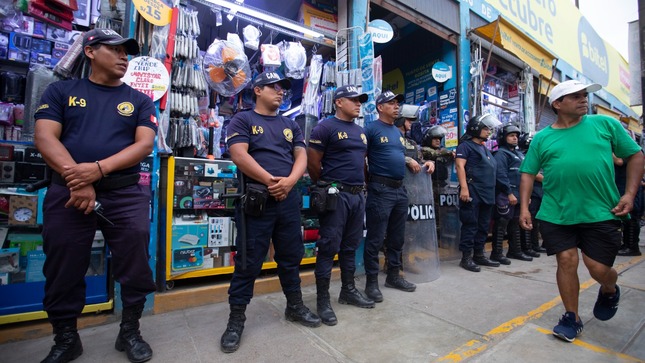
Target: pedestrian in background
<point>582,207</point>
<point>93,133</point>
<point>337,149</point>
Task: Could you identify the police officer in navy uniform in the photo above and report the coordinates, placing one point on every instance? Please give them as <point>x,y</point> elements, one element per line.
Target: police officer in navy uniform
<point>336,151</point>
<point>387,200</point>
<point>508,160</point>
<point>270,150</point>
<point>93,133</point>
<point>475,167</point>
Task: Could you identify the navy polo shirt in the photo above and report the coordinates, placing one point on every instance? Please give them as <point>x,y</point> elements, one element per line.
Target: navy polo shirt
<point>271,139</point>
<point>480,169</point>
<point>344,146</point>
<point>98,121</point>
<point>385,150</point>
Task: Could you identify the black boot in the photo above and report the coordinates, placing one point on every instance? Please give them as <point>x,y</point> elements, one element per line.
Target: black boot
<point>527,246</point>
<point>535,237</point>
<point>514,244</point>
<point>231,338</point>
<point>480,259</point>
<point>67,343</point>
<point>497,254</point>
<point>395,281</point>
<point>467,261</point>
<point>631,231</point>
<point>297,311</point>
<point>326,313</point>
<point>129,338</point>
<point>371,288</point>
<point>350,295</point>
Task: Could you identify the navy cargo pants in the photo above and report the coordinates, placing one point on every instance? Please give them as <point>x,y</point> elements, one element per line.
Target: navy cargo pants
<point>475,223</point>
<point>280,224</point>
<point>67,242</point>
<point>385,214</point>
<point>341,231</point>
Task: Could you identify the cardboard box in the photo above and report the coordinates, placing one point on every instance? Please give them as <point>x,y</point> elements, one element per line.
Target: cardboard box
<point>35,263</point>
<point>25,242</point>
<point>19,47</point>
<point>10,260</point>
<point>40,29</point>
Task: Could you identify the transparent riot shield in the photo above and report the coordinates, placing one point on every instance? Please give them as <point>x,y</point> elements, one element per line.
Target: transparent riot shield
<point>420,250</point>
<point>448,224</point>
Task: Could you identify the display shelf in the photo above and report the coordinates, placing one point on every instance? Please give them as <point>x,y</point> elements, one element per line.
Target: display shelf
<point>194,240</point>
<point>38,315</point>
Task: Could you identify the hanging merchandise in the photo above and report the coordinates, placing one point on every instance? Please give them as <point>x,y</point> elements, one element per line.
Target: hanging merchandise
<point>270,55</point>
<point>378,76</point>
<point>329,74</point>
<point>251,37</point>
<point>366,55</point>
<point>226,68</point>
<point>235,40</point>
<point>295,59</point>
<point>311,92</point>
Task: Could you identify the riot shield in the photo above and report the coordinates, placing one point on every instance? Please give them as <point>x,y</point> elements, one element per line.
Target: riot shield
<point>449,226</point>
<point>420,251</point>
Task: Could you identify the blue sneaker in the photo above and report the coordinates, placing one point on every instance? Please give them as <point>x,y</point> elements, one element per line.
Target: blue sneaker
<point>568,328</point>
<point>606,306</point>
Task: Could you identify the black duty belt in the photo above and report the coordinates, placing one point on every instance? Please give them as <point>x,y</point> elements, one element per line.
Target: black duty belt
<point>353,189</point>
<point>392,183</point>
<point>110,182</point>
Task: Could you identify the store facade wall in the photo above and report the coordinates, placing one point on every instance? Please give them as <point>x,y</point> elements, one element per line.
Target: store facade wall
<point>556,25</point>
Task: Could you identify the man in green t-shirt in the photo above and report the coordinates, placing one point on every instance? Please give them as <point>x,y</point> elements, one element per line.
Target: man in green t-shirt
<point>581,207</point>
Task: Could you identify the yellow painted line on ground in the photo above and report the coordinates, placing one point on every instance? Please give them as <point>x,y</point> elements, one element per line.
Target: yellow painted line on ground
<point>594,348</point>
<point>476,346</point>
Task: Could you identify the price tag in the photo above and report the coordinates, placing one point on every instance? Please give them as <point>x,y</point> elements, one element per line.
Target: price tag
<point>154,11</point>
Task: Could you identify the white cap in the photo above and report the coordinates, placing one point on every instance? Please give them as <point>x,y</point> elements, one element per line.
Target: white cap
<point>571,86</point>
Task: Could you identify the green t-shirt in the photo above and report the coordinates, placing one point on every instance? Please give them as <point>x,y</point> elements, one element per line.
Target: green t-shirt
<point>578,169</point>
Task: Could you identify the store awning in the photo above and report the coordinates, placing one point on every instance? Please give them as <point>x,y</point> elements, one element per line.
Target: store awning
<point>602,110</point>
<point>546,86</point>
<point>508,37</point>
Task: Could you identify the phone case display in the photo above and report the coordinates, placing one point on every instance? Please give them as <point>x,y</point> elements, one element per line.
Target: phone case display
<point>201,230</point>
<point>22,285</point>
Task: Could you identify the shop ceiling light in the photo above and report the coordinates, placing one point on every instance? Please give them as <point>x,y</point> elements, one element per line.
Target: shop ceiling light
<point>234,7</point>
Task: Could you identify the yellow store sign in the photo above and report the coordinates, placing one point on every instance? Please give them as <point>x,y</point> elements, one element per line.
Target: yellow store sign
<point>560,27</point>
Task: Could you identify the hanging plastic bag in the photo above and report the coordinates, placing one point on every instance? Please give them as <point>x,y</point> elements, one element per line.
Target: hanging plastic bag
<point>270,55</point>
<point>251,37</point>
<point>295,59</point>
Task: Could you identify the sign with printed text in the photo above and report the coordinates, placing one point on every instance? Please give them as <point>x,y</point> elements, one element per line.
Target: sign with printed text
<point>560,27</point>
<point>157,12</point>
<point>381,30</point>
<point>148,76</point>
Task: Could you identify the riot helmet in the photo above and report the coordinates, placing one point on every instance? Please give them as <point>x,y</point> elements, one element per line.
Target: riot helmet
<point>477,124</point>
<point>434,132</point>
<point>410,112</point>
<point>506,130</point>
<point>525,141</point>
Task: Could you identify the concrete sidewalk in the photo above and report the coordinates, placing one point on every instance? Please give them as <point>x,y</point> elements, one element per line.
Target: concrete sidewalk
<point>501,314</point>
